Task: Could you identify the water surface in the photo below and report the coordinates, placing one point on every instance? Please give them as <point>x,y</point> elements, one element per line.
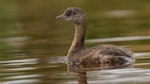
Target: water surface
<point>33,44</point>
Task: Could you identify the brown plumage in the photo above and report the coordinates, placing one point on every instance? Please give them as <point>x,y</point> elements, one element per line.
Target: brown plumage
<point>79,55</point>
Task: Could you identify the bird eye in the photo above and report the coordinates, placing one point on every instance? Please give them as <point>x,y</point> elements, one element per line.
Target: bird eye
<point>68,13</point>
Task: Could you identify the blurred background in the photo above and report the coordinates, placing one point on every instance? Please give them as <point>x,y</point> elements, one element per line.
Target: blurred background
<point>33,44</point>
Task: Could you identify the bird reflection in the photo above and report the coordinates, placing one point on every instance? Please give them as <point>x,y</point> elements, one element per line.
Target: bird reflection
<point>80,70</point>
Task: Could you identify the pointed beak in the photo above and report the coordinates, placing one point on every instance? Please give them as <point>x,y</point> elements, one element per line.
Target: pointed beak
<point>60,17</point>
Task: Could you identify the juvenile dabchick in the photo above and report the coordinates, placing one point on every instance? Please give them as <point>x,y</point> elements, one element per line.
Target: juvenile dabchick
<point>79,55</point>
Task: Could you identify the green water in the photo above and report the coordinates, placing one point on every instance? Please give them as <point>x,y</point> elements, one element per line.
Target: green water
<point>33,44</point>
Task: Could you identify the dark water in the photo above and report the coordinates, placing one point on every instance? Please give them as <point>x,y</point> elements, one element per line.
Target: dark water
<point>33,44</point>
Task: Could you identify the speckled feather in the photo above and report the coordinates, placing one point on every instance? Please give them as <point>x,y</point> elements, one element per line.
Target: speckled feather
<point>101,54</point>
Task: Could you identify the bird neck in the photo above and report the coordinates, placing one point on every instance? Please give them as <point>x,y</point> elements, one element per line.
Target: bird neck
<point>78,42</point>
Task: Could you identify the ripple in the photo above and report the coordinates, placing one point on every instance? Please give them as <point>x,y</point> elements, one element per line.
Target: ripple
<point>130,38</point>
<point>142,55</point>
<point>143,64</point>
<point>23,60</point>
<point>117,76</point>
<point>23,77</point>
<point>25,81</point>
<point>56,60</point>
<point>18,62</point>
<point>125,75</point>
<point>123,80</point>
<point>15,41</point>
<point>22,69</point>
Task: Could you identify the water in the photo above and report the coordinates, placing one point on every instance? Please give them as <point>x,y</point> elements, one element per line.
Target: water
<point>33,44</point>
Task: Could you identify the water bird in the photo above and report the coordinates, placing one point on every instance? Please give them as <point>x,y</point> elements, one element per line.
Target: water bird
<point>78,54</point>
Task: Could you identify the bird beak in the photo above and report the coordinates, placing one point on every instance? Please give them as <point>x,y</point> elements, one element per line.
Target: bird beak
<point>60,17</point>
